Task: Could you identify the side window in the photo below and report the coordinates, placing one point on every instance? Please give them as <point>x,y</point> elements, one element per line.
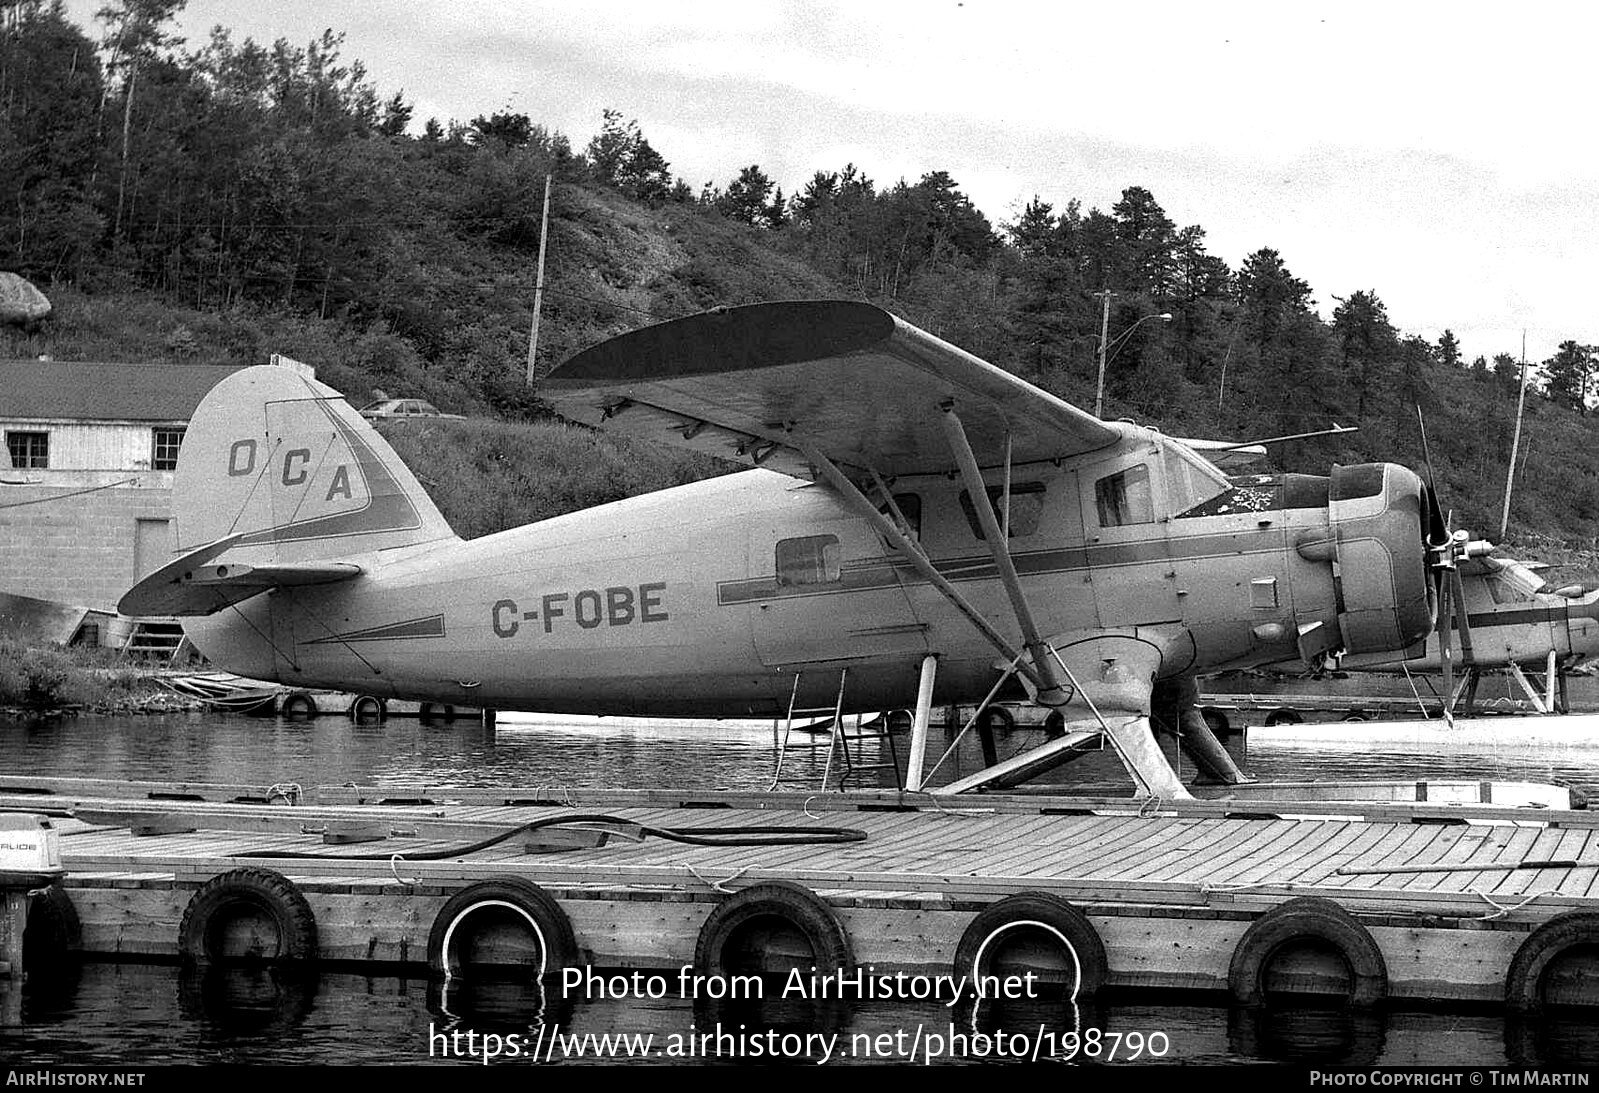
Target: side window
<point>1123,498</point>
<point>1026,507</point>
<point>810,559</point>
<point>910,506</point>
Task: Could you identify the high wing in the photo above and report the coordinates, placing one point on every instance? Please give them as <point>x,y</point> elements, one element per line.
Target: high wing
<point>760,382</point>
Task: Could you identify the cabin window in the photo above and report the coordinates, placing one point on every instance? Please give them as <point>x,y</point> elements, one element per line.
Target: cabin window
<point>29,451</point>
<point>910,507</point>
<point>1026,507</point>
<point>1123,498</point>
<point>810,559</point>
<point>164,447</point>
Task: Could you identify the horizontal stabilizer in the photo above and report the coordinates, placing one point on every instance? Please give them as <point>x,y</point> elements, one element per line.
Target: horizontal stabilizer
<point>192,585</point>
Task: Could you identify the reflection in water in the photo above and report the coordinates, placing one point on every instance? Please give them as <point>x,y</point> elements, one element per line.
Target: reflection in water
<point>241,1003</point>
<point>500,1002</point>
<point>635,753</point>
<point>148,1014</point>
<point>1312,1033</point>
<point>1553,1038</point>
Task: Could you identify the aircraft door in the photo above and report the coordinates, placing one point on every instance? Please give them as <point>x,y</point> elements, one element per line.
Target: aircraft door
<point>828,591</point>
<point>1127,547</point>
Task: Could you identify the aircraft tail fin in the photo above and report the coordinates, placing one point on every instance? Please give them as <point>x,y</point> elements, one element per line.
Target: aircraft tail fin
<point>287,472</point>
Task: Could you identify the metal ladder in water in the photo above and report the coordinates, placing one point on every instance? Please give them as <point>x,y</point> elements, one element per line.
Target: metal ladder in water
<point>843,744</point>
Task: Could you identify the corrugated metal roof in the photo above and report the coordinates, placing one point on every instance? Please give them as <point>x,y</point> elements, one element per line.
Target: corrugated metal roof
<point>96,391</point>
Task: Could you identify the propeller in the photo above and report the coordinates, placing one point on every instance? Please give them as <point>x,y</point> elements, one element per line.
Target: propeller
<point>1445,549</point>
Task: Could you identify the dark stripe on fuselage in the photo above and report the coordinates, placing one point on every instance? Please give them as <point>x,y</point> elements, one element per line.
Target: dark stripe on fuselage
<point>430,627</point>
<point>875,573</point>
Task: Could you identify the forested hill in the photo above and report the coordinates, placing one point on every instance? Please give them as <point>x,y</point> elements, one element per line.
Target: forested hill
<point>222,200</point>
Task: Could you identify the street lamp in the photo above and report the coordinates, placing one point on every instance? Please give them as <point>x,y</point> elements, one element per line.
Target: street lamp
<point>1105,353</point>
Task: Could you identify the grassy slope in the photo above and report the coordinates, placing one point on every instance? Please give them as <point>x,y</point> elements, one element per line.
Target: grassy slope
<point>613,266</point>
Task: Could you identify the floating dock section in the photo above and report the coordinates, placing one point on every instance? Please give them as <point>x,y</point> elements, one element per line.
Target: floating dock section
<point>1404,902</point>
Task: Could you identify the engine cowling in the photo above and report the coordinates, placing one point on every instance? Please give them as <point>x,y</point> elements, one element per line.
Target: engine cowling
<point>1376,513</point>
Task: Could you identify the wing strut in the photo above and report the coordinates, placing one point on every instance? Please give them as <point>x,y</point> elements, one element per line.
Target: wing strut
<point>913,554</point>
<point>1050,692</point>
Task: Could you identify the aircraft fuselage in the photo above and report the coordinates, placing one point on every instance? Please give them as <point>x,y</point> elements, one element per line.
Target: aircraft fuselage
<point>709,598</point>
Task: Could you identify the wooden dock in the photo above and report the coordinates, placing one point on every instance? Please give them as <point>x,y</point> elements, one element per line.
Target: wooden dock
<point>1405,902</point>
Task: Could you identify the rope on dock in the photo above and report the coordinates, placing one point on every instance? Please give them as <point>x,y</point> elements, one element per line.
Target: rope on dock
<point>287,791</point>
<point>394,868</point>
<point>718,885</point>
<point>1500,909</point>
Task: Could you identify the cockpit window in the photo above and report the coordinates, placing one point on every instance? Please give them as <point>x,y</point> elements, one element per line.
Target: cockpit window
<point>1026,506</point>
<point>1263,493</point>
<point>1189,479</point>
<point>1123,498</point>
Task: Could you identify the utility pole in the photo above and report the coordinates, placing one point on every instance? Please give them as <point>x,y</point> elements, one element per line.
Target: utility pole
<point>1515,442</point>
<point>1104,335</point>
<point>538,288</point>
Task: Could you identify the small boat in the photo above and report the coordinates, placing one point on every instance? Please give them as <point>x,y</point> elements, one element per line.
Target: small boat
<point>225,692</point>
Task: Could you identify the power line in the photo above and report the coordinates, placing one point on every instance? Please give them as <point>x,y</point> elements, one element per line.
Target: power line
<point>61,496</point>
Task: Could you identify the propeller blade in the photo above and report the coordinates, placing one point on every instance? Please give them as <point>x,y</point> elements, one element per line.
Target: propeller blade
<point>1463,620</point>
<point>1445,657</point>
<point>1437,524</point>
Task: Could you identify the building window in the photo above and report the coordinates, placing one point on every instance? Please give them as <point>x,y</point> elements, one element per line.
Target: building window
<point>1026,507</point>
<point>811,559</point>
<point>164,449</point>
<point>29,451</point>
<point>1124,498</point>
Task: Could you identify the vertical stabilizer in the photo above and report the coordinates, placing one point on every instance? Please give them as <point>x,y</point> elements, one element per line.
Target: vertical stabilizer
<point>284,463</point>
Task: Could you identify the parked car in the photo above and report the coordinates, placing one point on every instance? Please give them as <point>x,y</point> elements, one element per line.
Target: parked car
<point>403,409</point>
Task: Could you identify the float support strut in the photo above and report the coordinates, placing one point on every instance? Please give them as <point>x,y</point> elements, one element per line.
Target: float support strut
<point>913,554</point>
<point>1051,693</point>
<point>924,714</point>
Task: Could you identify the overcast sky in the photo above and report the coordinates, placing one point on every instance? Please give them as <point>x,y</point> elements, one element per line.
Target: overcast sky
<point>1440,154</point>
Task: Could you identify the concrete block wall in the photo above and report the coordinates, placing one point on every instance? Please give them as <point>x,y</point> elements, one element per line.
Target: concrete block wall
<point>78,549</point>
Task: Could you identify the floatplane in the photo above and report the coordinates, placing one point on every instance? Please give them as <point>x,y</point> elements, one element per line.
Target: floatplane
<point>1503,616</point>
<point>915,527</point>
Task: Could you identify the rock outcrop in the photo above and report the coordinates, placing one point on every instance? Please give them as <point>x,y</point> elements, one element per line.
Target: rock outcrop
<point>21,304</point>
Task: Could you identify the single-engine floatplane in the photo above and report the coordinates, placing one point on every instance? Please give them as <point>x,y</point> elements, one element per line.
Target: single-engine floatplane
<point>1502,616</point>
<point>917,519</point>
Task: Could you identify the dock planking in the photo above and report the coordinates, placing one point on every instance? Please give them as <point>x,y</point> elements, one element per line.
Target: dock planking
<point>1170,887</point>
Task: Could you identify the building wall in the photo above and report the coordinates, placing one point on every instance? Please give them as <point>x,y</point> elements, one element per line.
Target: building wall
<point>79,548</point>
<point>92,445</point>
